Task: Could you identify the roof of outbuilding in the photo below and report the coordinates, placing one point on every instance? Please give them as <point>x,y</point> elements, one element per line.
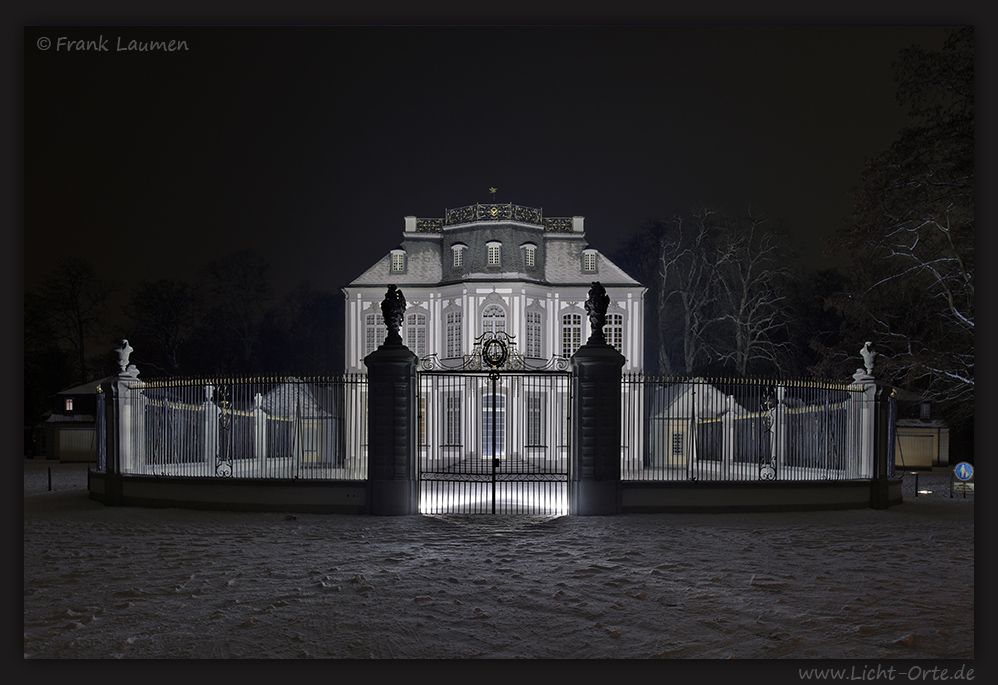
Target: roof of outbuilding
<point>85,389</point>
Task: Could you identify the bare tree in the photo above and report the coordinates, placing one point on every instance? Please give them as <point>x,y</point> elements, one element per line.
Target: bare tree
<point>74,299</point>
<point>717,287</point>
<point>687,285</point>
<point>753,275</point>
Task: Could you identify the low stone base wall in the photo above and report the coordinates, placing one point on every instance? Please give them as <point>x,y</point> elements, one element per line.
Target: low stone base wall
<point>353,497</point>
<point>720,496</point>
<point>233,494</point>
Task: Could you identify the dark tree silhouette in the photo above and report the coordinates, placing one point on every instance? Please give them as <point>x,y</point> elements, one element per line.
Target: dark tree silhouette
<point>910,246</point>
<point>238,290</point>
<point>304,334</point>
<point>162,317</point>
<point>74,300</point>
<point>47,366</point>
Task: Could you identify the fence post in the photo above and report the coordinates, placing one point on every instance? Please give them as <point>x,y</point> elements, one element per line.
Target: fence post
<point>780,428</point>
<point>260,435</point>
<point>880,493</point>
<point>211,412</point>
<point>118,440</point>
<point>121,422</point>
<point>728,434</point>
<point>875,430</point>
<point>594,481</point>
<point>391,426</point>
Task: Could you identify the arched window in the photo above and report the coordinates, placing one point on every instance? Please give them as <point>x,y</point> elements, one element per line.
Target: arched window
<point>458,254</point>
<point>398,261</point>
<point>571,333</point>
<point>493,319</point>
<point>529,255</point>
<point>494,253</point>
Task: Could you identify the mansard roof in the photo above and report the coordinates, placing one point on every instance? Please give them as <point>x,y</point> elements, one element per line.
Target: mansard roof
<point>558,258</point>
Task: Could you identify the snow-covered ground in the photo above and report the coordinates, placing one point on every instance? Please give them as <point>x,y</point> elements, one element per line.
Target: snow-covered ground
<point>122,582</point>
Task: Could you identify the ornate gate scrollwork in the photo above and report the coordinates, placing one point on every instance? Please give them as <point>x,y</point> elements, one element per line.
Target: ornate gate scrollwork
<point>223,458</point>
<point>767,461</point>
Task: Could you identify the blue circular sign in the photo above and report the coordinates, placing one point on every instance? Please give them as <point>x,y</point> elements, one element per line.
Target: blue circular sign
<point>964,471</point>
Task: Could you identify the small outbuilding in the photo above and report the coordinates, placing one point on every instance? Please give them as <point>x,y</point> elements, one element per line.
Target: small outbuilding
<point>69,429</point>
<point>922,437</point>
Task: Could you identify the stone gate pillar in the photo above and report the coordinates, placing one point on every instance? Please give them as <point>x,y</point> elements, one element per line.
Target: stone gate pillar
<point>594,480</point>
<point>391,419</point>
<point>876,448</point>
<point>123,418</point>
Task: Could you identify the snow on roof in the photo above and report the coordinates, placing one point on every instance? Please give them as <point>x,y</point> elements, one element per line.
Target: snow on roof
<point>683,398</point>
<point>293,397</point>
<point>85,389</point>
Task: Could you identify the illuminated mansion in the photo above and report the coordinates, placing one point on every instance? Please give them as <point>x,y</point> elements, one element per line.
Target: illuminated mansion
<point>489,268</point>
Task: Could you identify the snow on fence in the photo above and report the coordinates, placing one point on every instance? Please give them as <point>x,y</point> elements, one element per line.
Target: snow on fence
<point>684,428</point>
<point>274,427</point>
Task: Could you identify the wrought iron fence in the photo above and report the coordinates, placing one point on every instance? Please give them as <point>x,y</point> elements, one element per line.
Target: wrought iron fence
<point>678,428</point>
<point>274,427</point>
<point>494,442</point>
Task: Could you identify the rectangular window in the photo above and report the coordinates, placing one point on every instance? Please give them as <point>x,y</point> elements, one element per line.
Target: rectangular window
<point>398,261</point>
<point>535,420</point>
<point>571,334</point>
<point>415,330</point>
<point>563,403</point>
<point>533,335</point>
<point>452,419</point>
<point>69,404</point>
<point>453,334</point>
<point>494,255</point>
<point>459,257</point>
<point>500,426</point>
<point>677,444</point>
<point>614,331</point>
<point>374,332</point>
<point>528,255</point>
<point>589,261</point>
<point>422,421</point>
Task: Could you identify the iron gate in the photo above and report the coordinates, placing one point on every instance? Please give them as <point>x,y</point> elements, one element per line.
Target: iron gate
<point>494,434</point>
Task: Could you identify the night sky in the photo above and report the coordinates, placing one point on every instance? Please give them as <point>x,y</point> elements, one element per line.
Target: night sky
<point>310,144</point>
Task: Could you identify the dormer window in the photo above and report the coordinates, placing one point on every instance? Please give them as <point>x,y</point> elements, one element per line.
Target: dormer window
<point>494,253</point>
<point>529,255</point>
<point>589,261</point>
<point>458,251</point>
<point>69,404</point>
<point>398,261</point>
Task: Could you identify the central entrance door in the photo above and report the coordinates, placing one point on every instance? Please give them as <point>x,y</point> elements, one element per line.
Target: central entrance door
<point>493,439</point>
